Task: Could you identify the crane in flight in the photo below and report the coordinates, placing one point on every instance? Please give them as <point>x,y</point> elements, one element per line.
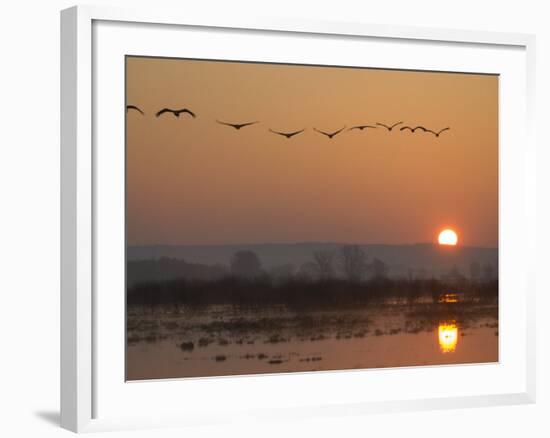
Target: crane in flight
<point>389,127</point>
<point>329,134</point>
<point>237,126</point>
<point>413,129</point>
<point>176,112</point>
<point>133,107</point>
<point>438,132</point>
<point>361,127</point>
<point>287,134</point>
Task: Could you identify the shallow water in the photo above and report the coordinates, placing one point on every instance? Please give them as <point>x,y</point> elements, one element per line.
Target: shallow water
<point>226,341</point>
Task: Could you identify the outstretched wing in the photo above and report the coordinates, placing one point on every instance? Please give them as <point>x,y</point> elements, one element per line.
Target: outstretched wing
<point>277,132</point>
<point>164,110</point>
<point>382,124</point>
<point>444,129</point>
<point>395,124</point>
<point>420,127</point>
<point>188,111</point>
<point>406,127</point>
<point>338,132</point>
<point>225,123</point>
<point>242,125</point>
<point>321,132</point>
<point>292,134</point>
<point>129,107</point>
<point>361,127</point>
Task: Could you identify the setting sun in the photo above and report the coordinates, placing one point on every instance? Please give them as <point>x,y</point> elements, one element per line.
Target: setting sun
<point>448,237</point>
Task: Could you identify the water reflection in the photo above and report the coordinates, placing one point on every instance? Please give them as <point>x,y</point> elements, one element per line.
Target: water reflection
<point>449,298</point>
<point>213,341</point>
<point>448,336</point>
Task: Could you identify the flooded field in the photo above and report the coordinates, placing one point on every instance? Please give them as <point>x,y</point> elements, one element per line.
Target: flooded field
<point>227,340</point>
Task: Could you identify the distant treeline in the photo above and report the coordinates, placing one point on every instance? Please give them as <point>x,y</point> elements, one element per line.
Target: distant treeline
<point>349,262</point>
<point>163,269</point>
<point>299,293</point>
<point>332,279</point>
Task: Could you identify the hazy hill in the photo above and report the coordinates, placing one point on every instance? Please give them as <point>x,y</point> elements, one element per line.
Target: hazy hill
<point>419,259</point>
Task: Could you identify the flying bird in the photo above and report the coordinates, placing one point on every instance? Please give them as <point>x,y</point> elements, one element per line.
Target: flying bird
<point>330,134</point>
<point>237,126</point>
<point>438,132</point>
<point>287,134</point>
<point>413,129</point>
<point>133,107</point>
<point>390,127</point>
<point>176,112</point>
<point>361,127</point>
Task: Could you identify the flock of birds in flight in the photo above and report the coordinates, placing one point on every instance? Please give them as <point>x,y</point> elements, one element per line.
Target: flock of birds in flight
<point>330,135</point>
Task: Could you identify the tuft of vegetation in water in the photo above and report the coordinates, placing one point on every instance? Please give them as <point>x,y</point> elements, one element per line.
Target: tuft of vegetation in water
<point>187,346</point>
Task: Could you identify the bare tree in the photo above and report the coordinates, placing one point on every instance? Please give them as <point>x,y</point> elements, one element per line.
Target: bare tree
<point>421,274</point>
<point>324,264</point>
<point>282,272</point>
<point>307,271</point>
<point>475,271</point>
<point>379,268</point>
<point>488,272</point>
<point>246,264</point>
<point>353,261</point>
<point>455,274</point>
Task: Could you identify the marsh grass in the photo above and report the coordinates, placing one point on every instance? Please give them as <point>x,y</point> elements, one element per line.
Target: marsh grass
<point>298,294</point>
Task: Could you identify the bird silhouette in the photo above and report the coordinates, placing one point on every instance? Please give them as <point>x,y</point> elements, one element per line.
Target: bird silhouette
<point>133,107</point>
<point>176,112</point>
<point>330,134</point>
<point>361,127</point>
<point>287,134</point>
<point>413,129</point>
<point>438,132</point>
<point>237,126</point>
<point>388,127</point>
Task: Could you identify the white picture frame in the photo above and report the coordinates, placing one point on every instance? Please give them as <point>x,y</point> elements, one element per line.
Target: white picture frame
<point>86,401</point>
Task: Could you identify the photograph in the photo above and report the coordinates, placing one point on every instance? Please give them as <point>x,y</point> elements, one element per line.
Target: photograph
<point>285,218</point>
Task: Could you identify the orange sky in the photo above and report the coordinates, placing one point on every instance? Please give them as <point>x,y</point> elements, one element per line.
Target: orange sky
<point>193,181</point>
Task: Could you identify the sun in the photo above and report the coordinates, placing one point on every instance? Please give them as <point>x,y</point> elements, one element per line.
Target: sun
<point>447,237</point>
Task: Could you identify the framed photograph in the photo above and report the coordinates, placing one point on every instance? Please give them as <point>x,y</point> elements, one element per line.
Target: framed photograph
<point>284,218</point>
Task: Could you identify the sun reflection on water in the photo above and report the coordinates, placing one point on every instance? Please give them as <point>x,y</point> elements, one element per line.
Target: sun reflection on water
<point>448,336</point>
<point>448,298</point>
